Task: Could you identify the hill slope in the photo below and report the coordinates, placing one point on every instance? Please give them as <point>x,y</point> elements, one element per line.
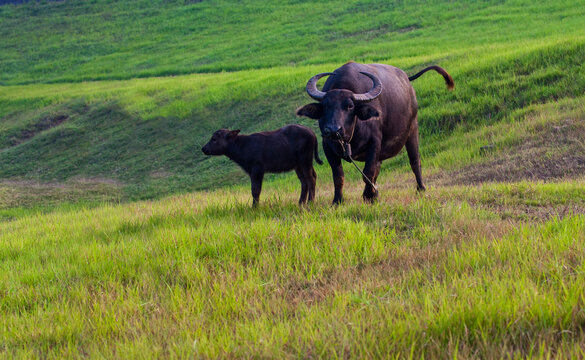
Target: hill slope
<point>144,135</point>
<point>72,41</point>
<point>470,269</point>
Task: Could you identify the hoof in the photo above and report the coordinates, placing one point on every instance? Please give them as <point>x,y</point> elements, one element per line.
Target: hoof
<point>370,195</point>
<point>421,188</point>
<point>371,200</point>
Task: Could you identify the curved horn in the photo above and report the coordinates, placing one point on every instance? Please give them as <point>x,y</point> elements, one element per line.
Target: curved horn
<point>373,93</point>
<point>312,87</point>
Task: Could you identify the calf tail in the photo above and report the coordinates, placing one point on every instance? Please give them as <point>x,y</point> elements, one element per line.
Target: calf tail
<point>448,79</point>
<point>317,153</point>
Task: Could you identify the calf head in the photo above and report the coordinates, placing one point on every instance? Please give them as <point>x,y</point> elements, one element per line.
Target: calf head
<point>337,109</point>
<point>219,142</point>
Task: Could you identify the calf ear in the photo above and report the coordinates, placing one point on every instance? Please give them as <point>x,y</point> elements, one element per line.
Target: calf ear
<point>313,111</point>
<point>365,112</point>
<point>232,134</point>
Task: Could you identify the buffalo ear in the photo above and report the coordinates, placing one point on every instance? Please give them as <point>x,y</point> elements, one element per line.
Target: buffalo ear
<point>232,134</point>
<point>313,111</point>
<point>365,112</point>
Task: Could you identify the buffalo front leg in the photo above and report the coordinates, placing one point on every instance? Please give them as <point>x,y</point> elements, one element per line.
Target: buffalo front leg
<point>370,193</point>
<point>256,177</point>
<point>414,158</point>
<point>337,171</point>
<point>371,170</point>
<point>338,184</point>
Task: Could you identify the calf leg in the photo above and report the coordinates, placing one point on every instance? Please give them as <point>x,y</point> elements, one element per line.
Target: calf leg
<point>312,182</point>
<point>256,177</point>
<point>304,187</point>
<point>414,157</point>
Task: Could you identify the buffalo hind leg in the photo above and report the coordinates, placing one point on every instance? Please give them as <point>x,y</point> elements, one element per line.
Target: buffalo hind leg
<point>304,188</point>
<point>414,158</point>
<point>256,177</point>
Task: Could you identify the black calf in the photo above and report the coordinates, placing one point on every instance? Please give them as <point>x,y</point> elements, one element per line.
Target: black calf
<point>285,149</point>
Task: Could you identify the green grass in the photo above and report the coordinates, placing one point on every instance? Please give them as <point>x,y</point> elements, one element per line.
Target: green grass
<point>105,103</point>
<point>202,275</point>
<point>63,41</point>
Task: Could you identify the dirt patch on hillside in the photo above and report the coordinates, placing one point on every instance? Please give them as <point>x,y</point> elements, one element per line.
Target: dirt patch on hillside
<point>551,152</point>
<point>392,269</point>
<point>531,214</point>
<point>298,291</point>
<point>28,125</point>
<point>26,193</point>
<point>43,124</point>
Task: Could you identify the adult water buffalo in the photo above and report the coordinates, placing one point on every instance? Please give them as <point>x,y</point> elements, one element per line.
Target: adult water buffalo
<point>373,108</point>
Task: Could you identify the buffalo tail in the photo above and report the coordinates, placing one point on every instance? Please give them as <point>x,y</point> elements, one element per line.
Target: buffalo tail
<point>448,79</point>
<point>317,153</point>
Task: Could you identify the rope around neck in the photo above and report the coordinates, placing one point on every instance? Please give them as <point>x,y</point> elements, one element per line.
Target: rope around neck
<point>342,143</point>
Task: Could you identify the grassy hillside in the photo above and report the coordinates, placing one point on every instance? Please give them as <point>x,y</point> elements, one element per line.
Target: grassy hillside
<point>71,41</point>
<point>488,263</point>
<point>145,135</point>
<point>141,137</point>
